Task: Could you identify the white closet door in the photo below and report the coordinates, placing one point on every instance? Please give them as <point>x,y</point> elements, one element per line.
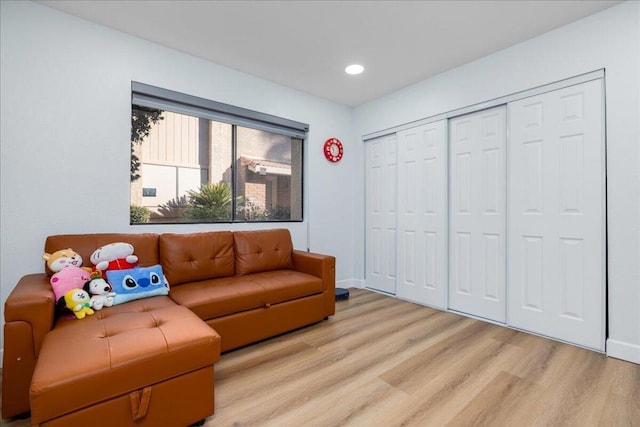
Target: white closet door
<point>380,217</point>
<point>477,220</point>
<point>556,215</point>
<point>422,214</point>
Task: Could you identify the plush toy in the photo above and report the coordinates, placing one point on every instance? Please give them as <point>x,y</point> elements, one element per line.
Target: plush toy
<point>115,256</point>
<point>63,258</point>
<point>78,302</point>
<point>136,283</point>
<point>100,291</point>
<point>68,278</point>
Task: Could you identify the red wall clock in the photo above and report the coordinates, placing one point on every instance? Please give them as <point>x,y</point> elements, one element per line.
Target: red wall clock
<point>333,149</point>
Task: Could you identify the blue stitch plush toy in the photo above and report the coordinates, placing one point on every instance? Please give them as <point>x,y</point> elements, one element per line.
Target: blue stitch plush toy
<point>136,283</point>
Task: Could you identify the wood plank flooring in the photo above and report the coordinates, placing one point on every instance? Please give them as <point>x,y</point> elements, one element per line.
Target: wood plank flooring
<point>385,362</point>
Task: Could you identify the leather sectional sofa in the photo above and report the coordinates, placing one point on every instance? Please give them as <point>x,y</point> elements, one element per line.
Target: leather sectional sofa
<point>150,361</point>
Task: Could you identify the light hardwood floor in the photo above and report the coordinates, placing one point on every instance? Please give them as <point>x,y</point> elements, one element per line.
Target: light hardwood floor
<point>385,362</point>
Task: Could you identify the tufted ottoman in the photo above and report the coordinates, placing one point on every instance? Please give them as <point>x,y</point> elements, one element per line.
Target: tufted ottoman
<point>145,363</point>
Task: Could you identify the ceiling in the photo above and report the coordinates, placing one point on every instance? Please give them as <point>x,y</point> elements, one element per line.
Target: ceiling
<point>306,45</point>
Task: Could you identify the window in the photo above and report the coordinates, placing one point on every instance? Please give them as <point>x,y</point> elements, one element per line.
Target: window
<point>211,162</point>
<point>148,192</point>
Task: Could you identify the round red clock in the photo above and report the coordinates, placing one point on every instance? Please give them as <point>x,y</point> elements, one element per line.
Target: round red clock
<point>333,149</point>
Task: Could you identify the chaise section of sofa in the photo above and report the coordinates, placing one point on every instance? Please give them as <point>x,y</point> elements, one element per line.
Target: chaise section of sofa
<point>148,362</point>
<point>30,312</point>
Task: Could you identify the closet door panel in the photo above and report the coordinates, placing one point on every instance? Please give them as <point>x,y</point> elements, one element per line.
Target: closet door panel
<point>557,236</point>
<point>477,220</point>
<point>422,215</point>
<point>380,216</point>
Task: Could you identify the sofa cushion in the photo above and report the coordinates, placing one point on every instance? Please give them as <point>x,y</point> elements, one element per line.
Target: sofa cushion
<point>143,305</point>
<point>286,285</point>
<point>145,245</point>
<point>196,256</point>
<point>210,299</point>
<point>117,351</point>
<point>263,250</point>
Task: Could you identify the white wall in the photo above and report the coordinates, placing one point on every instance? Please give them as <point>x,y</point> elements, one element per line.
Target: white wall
<point>65,125</point>
<point>609,40</point>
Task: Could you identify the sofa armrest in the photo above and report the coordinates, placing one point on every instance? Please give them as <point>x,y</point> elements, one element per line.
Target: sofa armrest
<point>32,301</point>
<point>324,267</point>
<point>29,315</point>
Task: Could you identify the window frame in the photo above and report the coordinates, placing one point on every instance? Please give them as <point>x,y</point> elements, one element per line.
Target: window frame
<point>167,100</point>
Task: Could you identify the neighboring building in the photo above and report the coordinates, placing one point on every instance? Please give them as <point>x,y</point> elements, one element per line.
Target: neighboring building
<point>183,153</point>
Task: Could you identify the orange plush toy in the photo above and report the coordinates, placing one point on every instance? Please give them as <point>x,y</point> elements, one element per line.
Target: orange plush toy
<point>63,258</point>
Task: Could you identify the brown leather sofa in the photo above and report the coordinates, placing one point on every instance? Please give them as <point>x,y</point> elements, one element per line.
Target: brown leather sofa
<point>148,360</point>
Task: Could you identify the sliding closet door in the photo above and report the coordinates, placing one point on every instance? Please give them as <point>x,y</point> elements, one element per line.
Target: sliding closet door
<point>477,219</point>
<point>556,218</point>
<point>380,216</point>
<point>422,214</point>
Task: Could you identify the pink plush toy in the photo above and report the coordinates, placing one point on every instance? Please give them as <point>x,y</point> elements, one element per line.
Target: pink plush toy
<point>115,256</point>
<point>68,278</point>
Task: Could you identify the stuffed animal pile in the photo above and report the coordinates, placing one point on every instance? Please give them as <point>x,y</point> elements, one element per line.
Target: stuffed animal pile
<point>114,279</point>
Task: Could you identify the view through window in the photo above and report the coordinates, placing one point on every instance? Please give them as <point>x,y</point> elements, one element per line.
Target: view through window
<point>186,168</point>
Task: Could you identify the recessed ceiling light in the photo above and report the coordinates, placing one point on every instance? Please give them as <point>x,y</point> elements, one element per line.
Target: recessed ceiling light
<point>354,69</point>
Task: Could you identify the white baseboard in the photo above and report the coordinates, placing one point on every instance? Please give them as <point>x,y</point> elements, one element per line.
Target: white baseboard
<point>350,283</point>
<point>623,350</point>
